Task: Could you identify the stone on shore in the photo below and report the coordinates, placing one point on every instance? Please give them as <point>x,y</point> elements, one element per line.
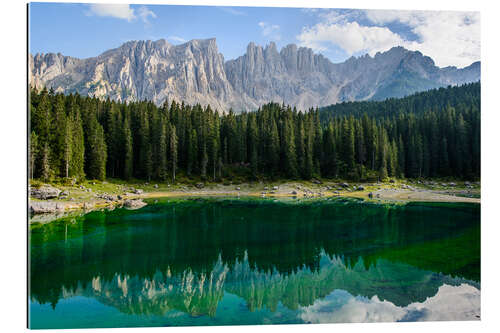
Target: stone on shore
<point>45,192</point>
<point>134,203</point>
<point>43,207</point>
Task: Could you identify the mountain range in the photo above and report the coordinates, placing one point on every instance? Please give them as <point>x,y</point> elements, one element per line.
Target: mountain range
<point>195,72</point>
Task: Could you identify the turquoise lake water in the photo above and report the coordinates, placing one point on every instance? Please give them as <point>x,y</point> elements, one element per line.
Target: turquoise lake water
<point>231,261</point>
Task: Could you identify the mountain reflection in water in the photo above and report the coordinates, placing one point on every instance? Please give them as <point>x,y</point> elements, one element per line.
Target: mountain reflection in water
<point>311,262</point>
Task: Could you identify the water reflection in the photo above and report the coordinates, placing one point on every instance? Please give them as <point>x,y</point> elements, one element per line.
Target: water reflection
<point>347,263</point>
<point>386,291</point>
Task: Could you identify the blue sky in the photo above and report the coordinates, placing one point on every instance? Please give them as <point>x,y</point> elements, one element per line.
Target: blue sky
<point>86,30</point>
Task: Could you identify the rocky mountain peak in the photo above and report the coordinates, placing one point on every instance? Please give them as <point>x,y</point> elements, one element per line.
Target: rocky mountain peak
<point>195,72</point>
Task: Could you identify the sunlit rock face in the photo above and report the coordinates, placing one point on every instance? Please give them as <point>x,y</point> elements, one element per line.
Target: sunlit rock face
<point>195,72</point>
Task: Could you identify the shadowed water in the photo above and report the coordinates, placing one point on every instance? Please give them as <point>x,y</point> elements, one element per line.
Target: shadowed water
<point>256,261</point>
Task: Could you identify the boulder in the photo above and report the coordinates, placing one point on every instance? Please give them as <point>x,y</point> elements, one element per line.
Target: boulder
<point>294,192</point>
<point>88,205</point>
<point>344,185</point>
<point>370,195</point>
<point>108,197</point>
<point>155,186</point>
<point>200,185</point>
<point>45,192</point>
<point>316,181</point>
<point>275,188</point>
<point>361,188</point>
<point>392,181</point>
<point>139,191</point>
<point>42,207</point>
<point>134,203</point>
<point>238,188</point>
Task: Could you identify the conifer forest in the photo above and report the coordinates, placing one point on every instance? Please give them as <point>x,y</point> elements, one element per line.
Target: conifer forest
<point>432,134</point>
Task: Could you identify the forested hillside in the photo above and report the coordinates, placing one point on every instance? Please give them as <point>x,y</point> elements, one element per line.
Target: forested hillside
<point>431,134</point>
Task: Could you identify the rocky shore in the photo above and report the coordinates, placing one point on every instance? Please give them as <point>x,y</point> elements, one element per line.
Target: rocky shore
<point>91,195</point>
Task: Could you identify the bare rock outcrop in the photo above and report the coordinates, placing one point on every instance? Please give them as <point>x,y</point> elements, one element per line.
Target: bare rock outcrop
<point>195,72</point>
<point>45,192</point>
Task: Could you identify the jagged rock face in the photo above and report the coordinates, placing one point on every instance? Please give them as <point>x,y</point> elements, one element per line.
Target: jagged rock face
<point>192,72</point>
<point>195,72</point>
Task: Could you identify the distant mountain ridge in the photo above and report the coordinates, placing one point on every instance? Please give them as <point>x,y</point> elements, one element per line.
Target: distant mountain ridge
<point>195,72</point>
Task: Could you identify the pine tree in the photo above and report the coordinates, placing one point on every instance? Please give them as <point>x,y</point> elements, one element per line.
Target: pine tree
<point>309,153</point>
<point>204,162</point>
<point>76,166</point>
<point>67,147</point>
<point>173,151</point>
<point>58,144</point>
<point>128,150</point>
<point>97,155</point>
<point>330,153</point>
<point>274,149</point>
<point>45,165</point>
<point>33,152</point>
<point>162,153</point>
<point>252,145</point>
<point>401,158</point>
<point>145,151</point>
<point>348,151</point>
<point>192,152</point>
<point>383,153</point>
<point>290,159</point>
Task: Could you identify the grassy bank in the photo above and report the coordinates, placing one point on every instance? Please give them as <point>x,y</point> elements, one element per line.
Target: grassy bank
<point>91,191</point>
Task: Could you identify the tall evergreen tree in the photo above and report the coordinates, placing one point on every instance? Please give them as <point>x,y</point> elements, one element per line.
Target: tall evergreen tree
<point>173,151</point>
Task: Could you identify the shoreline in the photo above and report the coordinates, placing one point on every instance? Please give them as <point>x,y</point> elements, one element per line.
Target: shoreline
<point>93,195</point>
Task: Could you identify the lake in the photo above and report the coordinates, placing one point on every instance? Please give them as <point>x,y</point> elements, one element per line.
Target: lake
<point>232,261</point>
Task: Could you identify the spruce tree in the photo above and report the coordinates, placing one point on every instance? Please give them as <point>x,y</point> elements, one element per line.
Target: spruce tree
<point>173,151</point>
<point>128,150</point>
<point>76,167</point>
<point>33,152</point>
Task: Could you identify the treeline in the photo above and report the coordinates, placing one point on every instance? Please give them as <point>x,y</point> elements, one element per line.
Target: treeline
<point>75,136</point>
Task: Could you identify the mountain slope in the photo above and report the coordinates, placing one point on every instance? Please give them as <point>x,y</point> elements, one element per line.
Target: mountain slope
<point>195,72</point>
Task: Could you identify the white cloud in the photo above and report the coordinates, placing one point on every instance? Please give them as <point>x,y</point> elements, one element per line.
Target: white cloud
<point>112,10</point>
<point>124,12</point>
<point>144,13</point>
<point>350,36</point>
<point>461,302</point>
<point>176,39</point>
<point>233,11</point>
<point>450,38</point>
<point>271,31</point>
